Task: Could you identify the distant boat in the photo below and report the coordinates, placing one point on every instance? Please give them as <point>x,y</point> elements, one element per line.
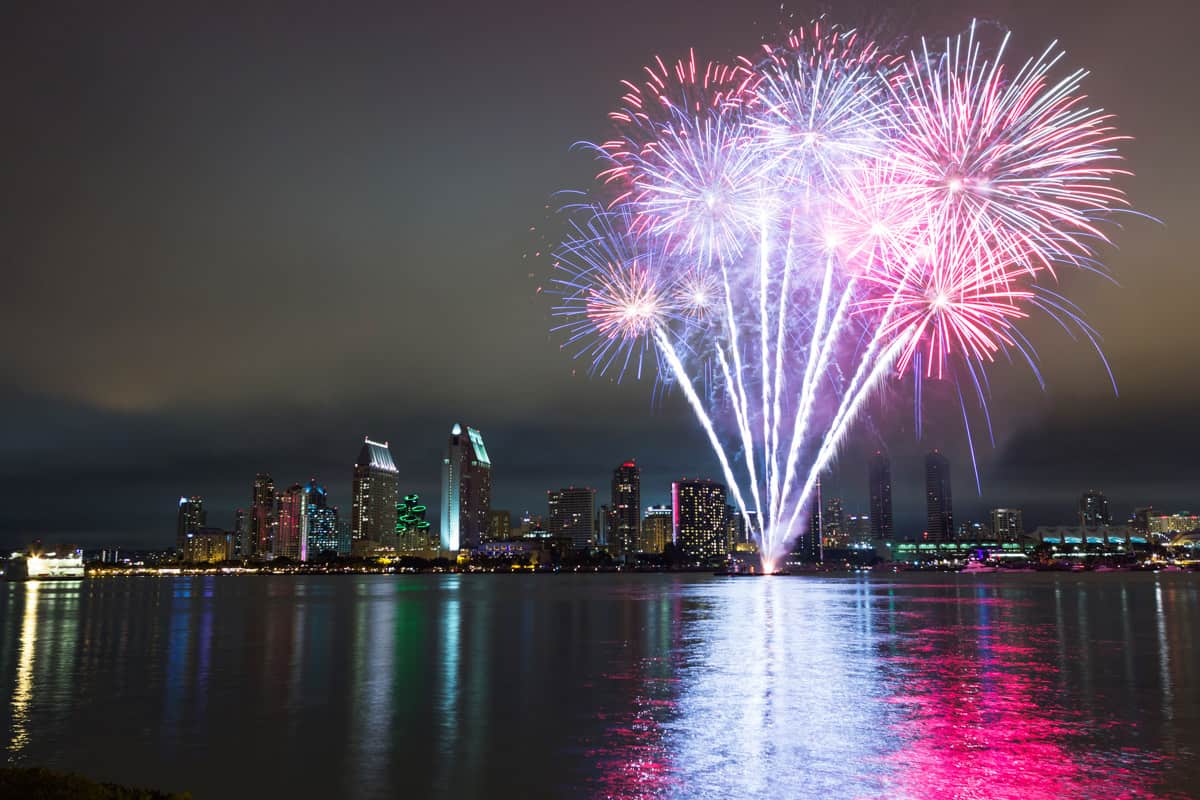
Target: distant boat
<point>978,568</point>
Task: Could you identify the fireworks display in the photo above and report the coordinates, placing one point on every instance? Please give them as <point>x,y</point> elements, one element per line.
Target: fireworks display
<point>776,236</point>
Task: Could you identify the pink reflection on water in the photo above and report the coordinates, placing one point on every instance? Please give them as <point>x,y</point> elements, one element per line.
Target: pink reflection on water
<point>980,717</point>
<point>632,761</point>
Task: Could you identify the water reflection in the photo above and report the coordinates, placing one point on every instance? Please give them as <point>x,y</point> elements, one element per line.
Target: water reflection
<point>630,687</point>
<point>23,692</point>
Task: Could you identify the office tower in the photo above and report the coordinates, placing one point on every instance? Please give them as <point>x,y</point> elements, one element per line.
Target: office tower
<point>413,533</point>
<point>603,524</point>
<point>808,546</point>
<point>262,516</point>
<point>1093,509</point>
<point>939,506</point>
<point>191,519</point>
<point>879,480</point>
<point>208,546</point>
<point>241,533</point>
<point>318,525</point>
<point>860,530</point>
<point>834,522</point>
<point>499,525</point>
<point>375,492</point>
<point>698,524</point>
<point>656,530</point>
<point>626,507</point>
<point>1141,519</point>
<point>289,516</point>
<point>466,490</point>
<point>1172,524</point>
<point>571,514</point>
<point>344,535</point>
<point>971,531</point>
<point>1007,524</point>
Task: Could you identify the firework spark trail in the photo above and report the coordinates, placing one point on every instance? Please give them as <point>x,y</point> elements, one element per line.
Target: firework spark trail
<point>833,211</point>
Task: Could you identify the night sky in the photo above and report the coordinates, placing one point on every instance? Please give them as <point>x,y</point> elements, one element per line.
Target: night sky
<point>238,240</point>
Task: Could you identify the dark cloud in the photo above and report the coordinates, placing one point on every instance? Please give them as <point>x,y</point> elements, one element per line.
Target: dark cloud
<point>239,238</point>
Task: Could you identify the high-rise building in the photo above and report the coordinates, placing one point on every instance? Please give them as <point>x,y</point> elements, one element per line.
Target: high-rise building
<point>376,488</point>
<point>318,525</point>
<point>191,519</point>
<point>499,525</point>
<point>860,530</point>
<point>289,518</point>
<point>241,533</point>
<point>656,530</point>
<point>207,546</point>
<point>262,516</point>
<point>413,532</point>
<point>879,480</point>
<point>808,547</point>
<point>466,490</point>
<point>1141,519</point>
<point>698,518</point>
<point>1007,525</point>
<point>834,522</point>
<point>1093,509</point>
<point>604,521</point>
<point>939,505</point>
<point>626,507</point>
<point>571,514</point>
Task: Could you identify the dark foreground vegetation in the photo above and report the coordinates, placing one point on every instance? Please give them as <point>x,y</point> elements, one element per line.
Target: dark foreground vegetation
<point>42,784</point>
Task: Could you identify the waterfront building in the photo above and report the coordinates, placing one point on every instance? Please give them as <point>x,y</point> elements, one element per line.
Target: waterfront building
<point>939,506</point>
<point>499,525</point>
<point>603,525</point>
<point>1093,509</point>
<point>208,546</point>
<point>375,490</point>
<point>808,547</point>
<point>289,517</point>
<point>318,525</point>
<point>834,522</point>
<point>466,490</point>
<point>571,514</point>
<point>241,533</point>
<point>626,508</point>
<point>413,532</point>
<point>860,530</point>
<point>1007,525</point>
<point>879,482</point>
<point>698,518</point>
<point>191,519</point>
<point>1170,524</point>
<point>656,530</point>
<point>262,517</point>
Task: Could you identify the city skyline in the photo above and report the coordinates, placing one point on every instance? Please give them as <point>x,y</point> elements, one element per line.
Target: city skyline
<point>96,404</point>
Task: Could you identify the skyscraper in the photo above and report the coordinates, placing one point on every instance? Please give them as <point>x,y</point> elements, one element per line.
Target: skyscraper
<point>466,490</point>
<point>241,533</point>
<point>834,522</point>
<point>413,533</point>
<point>939,506</point>
<point>879,479</point>
<point>262,516</point>
<point>571,514</point>
<point>698,518</point>
<point>191,519</point>
<point>499,525</point>
<point>1093,509</point>
<point>626,507</point>
<point>318,525</point>
<point>656,530</point>
<point>289,518</point>
<point>375,492</point>
<point>1007,525</point>
<point>808,546</point>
